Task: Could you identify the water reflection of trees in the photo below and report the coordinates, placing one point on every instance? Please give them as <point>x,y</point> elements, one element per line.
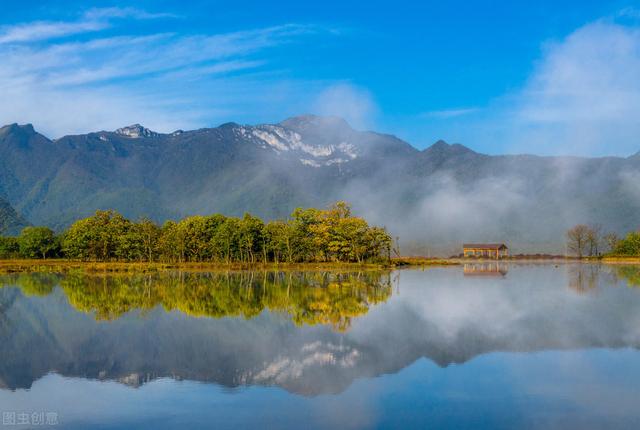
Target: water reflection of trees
<point>585,278</point>
<point>308,298</point>
<point>631,274</point>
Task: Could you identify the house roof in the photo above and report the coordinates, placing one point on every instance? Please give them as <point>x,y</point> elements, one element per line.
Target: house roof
<point>485,246</point>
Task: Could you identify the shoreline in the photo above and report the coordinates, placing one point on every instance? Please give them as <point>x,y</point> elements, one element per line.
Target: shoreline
<point>620,260</point>
<point>64,266</point>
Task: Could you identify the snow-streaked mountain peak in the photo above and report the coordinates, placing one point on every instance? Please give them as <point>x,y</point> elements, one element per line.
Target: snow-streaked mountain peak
<point>136,131</point>
<point>284,140</point>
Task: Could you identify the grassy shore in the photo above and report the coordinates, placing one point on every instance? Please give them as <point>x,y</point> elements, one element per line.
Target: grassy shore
<point>63,266</point>
<point>621,260</point>
<point>424,261</point>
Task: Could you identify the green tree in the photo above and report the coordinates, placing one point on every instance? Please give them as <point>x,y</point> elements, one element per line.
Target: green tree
<point>251,237</point>
<point>149,236</point>
<point>38,242</point>
<point>196,238</point>
<point>171,243</point>
<point>629,246</point>
<point>99,237</point>
<point>379,243</point>
<point>303,221</point>
<point>129,244</point>
<point>279,237</point>
<point>9,247</point>
<point>225,243</point>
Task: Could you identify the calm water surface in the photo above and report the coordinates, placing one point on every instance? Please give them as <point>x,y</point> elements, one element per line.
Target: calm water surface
<point>518,346</point>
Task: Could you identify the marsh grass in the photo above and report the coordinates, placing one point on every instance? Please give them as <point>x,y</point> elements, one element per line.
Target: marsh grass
<point>621,260</point>
<point>423,261</point>
<point>64,266</point>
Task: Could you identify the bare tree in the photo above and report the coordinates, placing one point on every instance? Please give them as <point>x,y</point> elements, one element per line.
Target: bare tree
<point>611,241</point>
<point>396,248</point>
<point>577,239</point>
<point>594,237</point>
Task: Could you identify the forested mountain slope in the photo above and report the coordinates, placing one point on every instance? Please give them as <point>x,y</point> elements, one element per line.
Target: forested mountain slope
<point>10,221</point>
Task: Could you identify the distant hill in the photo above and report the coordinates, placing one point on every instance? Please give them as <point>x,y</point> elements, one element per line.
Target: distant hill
<point>11,223</point>
<point>433,199</point>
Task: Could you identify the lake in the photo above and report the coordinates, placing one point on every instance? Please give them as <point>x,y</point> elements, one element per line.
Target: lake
<point>474,346</point>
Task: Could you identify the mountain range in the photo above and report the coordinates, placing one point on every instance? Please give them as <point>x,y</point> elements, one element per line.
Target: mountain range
<point>432,199</point>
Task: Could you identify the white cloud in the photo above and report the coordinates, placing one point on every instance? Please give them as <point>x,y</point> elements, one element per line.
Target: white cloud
<point>354,104</point>
<point>629,12</point>
<point>448,113</point>
<point>163,80</point>
<point>584,95</point>
<point>95,19</point>
<point>124,12</point>
<point>43,30</point>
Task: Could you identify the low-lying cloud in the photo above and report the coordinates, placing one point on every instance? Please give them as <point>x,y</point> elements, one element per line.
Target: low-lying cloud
<point>354,104</point>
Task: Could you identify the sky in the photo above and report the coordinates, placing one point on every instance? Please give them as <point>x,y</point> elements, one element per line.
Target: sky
<point>542,77</point>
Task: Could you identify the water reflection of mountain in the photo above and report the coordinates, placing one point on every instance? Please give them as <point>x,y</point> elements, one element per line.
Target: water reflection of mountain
<point>437,314</point>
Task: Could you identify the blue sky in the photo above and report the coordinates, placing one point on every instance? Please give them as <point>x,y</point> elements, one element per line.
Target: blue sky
<point>538,77</point>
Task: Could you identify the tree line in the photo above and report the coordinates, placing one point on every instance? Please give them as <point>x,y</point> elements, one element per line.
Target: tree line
<point>309,235</point>
<point>590,241</point>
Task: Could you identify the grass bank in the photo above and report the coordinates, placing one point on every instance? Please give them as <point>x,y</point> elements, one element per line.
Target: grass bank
<point>423,261</point>
<point>63,266</point>
<point>621,260</point>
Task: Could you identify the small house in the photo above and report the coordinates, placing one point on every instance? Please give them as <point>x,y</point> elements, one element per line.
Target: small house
<point>485,250</point>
